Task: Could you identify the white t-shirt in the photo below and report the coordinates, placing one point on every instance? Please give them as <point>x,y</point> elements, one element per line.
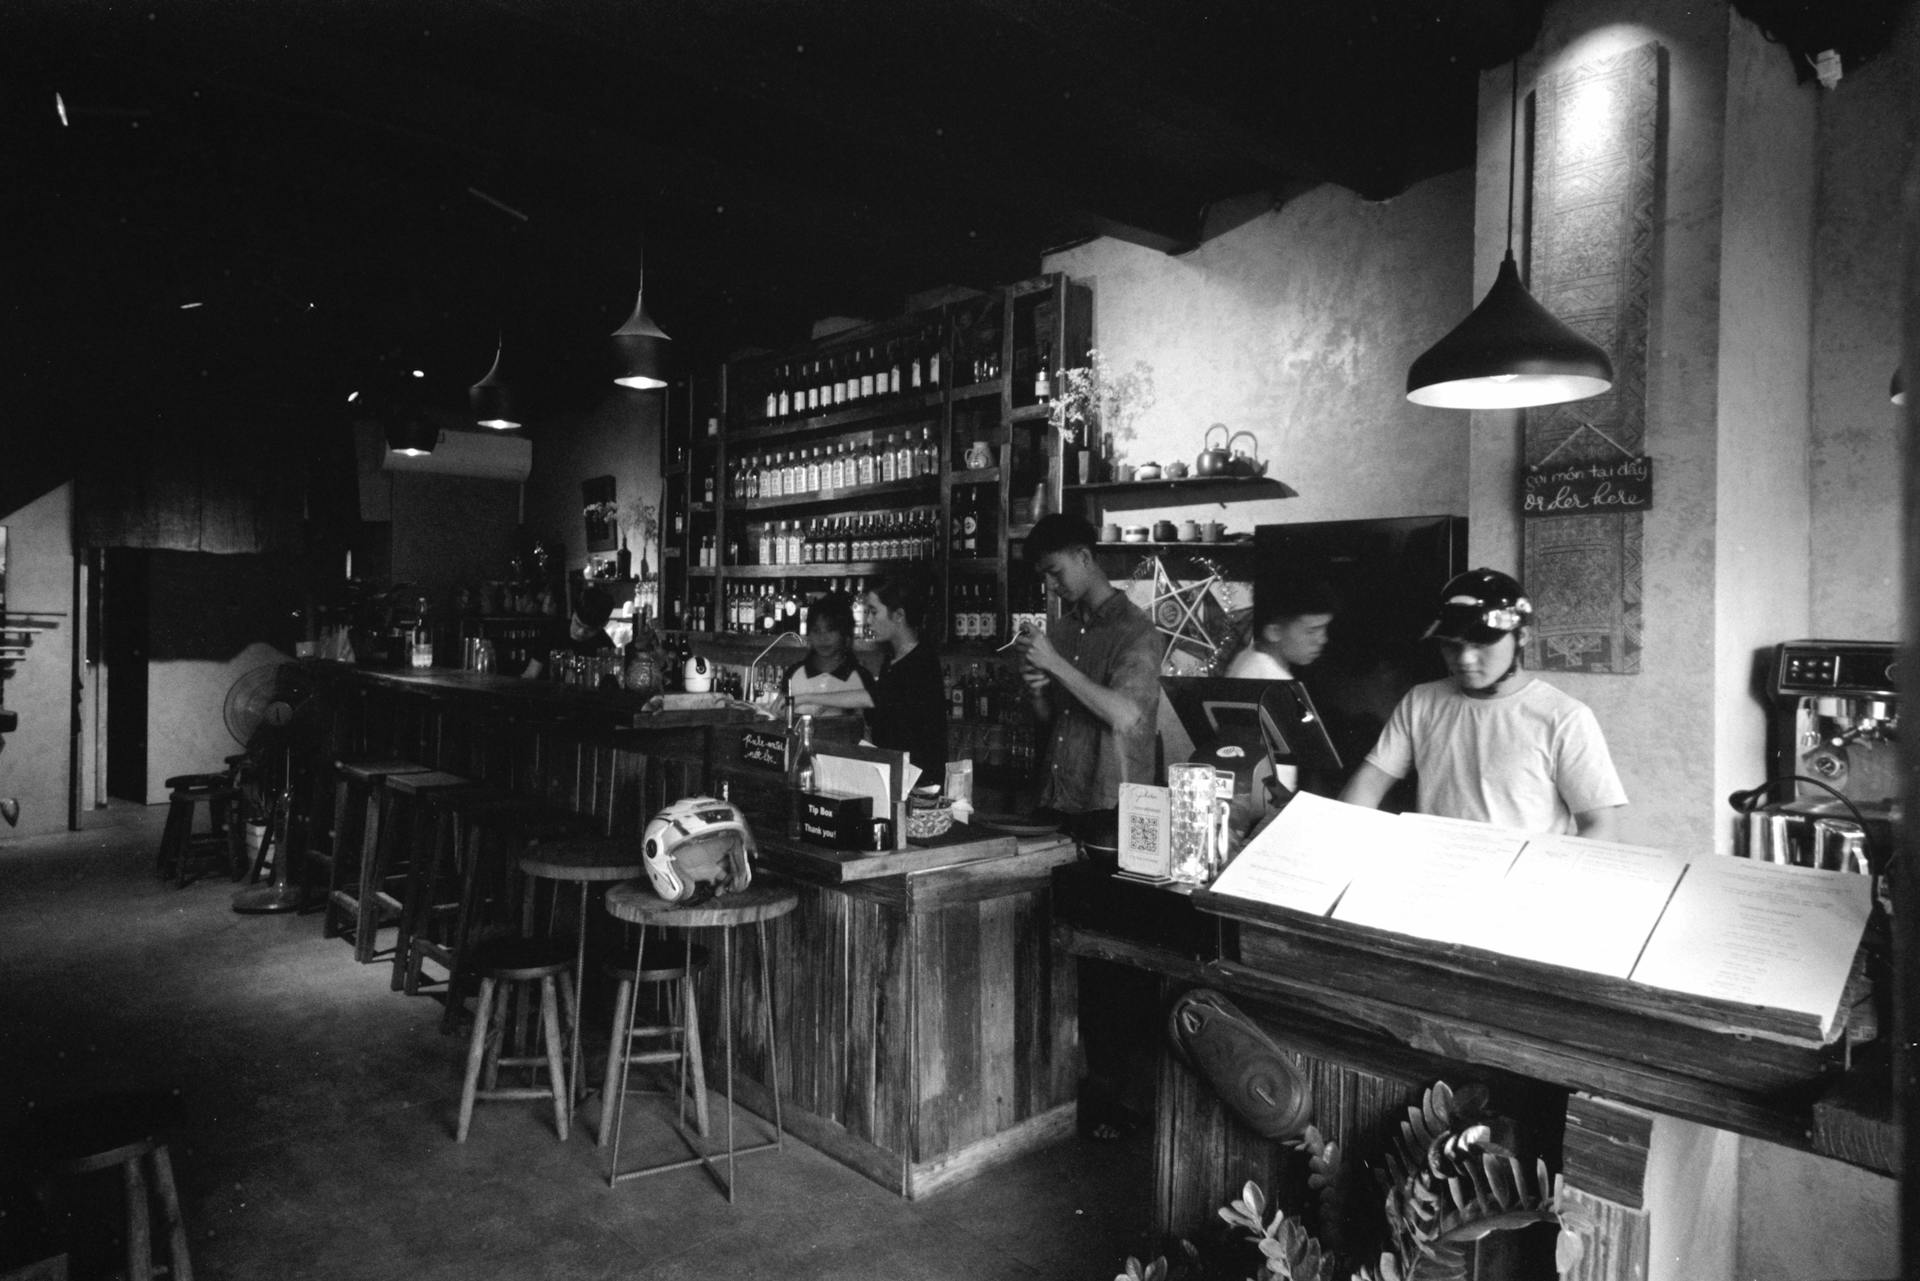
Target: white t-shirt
<point>1531,759</point>
<point>1251,664</point>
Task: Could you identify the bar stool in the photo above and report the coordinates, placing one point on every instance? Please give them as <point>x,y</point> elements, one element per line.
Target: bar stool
<point>585,861</point>
<point>636,903</point>
<point>373,902</point>
<point>122,1131</point>
<point>465,884</point>
<point>358,804</point>
<point>181,849</point>
<point>505,964</point>
<point>671,963</point>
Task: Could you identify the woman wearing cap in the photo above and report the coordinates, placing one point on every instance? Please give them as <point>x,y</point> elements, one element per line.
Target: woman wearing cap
<point>1490,742</point>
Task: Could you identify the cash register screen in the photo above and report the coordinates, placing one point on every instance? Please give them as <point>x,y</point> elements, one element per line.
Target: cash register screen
<point>1276,715</point>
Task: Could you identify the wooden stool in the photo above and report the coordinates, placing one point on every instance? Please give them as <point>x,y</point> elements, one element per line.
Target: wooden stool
<point>88,1135</point>
<point>584,860</point>
<point>359,801</point>
<point>666,961</point>
<point>484,832</point>
<point>221,844</point>
<point>635,902</point>
<point>503,965</point>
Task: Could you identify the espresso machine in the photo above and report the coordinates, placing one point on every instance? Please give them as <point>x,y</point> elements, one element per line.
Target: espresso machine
<point>1831,799</point>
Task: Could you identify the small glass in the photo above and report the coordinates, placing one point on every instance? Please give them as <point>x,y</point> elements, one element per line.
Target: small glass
<point>1193,794</point>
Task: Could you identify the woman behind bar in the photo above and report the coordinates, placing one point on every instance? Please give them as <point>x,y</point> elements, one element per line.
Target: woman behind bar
<point>909,698</point>
<point>830,653</point>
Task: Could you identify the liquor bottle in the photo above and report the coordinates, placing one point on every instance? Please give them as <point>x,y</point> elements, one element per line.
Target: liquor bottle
<point>800,767</point>
<point>813,471</point>
<point>982,695</point>
<point>867,380</point>
<point>956,695</point>
<point>783,407</point>
<point>865,463</point>
<point>1043,376</point>
<point>893,368</point>
<point>888,461</point>
<point>789,607</point>
<point>837,379</point>
<point>903,464</point>
<point>859,615</point>
<point>773,399</point>
<point>926,460</point>
<point>917,368</point>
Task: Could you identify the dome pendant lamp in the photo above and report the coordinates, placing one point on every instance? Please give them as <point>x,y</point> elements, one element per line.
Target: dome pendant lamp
<point>492,397</point>
<point>1510,352</point>
<point>640,350</point>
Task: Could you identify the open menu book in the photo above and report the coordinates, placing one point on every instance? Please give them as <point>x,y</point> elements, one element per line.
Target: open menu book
<point>1727,929</point>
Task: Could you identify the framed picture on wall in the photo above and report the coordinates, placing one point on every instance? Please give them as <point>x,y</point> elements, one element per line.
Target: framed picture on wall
<point>601,514</point>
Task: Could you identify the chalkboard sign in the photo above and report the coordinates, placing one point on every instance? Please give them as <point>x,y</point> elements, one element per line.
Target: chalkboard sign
<point>1588,489</point>
<point>763,749</point>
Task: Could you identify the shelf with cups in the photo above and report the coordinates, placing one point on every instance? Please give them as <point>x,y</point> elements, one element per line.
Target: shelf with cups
<point>1187,489</point>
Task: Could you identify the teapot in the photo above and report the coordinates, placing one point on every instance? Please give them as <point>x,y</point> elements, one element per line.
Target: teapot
<point>1242,463</point>
<point>1213,459</point>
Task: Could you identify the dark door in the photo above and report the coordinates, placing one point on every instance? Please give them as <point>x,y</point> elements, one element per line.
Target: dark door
<point>125,607</point>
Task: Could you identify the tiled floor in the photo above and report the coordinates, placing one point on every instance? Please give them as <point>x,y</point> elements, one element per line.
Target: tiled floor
<point>320,1105</point>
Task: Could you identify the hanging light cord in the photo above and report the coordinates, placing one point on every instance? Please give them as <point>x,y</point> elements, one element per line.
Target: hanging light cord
<point>1513,146</point>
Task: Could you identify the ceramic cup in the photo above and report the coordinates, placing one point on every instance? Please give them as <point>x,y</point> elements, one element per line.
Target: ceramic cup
<point>1189,532</point>
<point>1165,531</point>
<point>979,456</point>
<point>1211,531</point>
<point>1109,533</point>
<point>1123,472</point>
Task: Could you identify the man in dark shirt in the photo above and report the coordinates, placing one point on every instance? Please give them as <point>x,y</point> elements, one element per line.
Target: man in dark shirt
<point>1093,679</point>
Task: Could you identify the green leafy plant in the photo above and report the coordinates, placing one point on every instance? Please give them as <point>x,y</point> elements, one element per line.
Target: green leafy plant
<point>1449,1179</point>
<point>1092,397</point>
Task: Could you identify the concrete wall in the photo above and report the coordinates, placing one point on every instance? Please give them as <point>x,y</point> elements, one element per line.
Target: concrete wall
<point>618,436</point>
<point>34,760</point>
<point>1280,328</point>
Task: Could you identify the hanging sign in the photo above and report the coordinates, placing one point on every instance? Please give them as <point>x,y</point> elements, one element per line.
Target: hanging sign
<point>1588,489</point>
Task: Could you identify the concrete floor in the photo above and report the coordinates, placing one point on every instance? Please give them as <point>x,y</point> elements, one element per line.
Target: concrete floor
<point>319,1112</point>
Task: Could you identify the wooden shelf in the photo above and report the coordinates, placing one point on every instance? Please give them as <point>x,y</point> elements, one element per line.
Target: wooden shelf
<point>836,570</point>
<point>1224,488</point>
<point>906,404</point>
<point>846,499</point>
<point>1195,548</point>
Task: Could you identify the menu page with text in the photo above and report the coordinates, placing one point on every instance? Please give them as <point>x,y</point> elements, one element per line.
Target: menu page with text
<point>1435,881</point>
<point>1306,856</point>
<point>1583,904</point>
<point>1760,934</point>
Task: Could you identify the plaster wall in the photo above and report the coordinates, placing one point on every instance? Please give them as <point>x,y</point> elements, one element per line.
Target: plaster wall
<point>1278,327</point>
<point>1865,143</point>
<point>618,436</point>
<point>1659,723</point>
<point>33,760</point>
<point>1762,487</point>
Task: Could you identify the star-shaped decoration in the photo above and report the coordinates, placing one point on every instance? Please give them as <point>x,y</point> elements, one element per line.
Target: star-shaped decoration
<point>1186,613</point>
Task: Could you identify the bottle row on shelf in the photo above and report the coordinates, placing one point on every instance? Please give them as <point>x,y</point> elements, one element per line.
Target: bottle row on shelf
<point>832,467</point>
<point>854,376</point>
<point>777,605</point>
<point>910,535</point>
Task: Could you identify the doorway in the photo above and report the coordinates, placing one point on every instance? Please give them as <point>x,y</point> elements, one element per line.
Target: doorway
<point>125,610</point>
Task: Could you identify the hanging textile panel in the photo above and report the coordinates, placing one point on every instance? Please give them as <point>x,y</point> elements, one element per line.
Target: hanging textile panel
<point>1596,189</point>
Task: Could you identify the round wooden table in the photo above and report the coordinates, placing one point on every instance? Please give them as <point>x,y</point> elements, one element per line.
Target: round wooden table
<point>759,903</point>
<point>585,861</point>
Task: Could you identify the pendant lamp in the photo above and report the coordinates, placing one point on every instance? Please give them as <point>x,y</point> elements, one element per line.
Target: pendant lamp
<point>409,433</point>
<point>1899,389</point>
<point>1510,352</point>
<point>639,348</point>
<point>492,397</point>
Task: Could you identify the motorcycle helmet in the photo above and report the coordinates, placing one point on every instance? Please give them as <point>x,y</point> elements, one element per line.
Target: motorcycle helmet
<point>1480,606</point>
<point>697,848</point>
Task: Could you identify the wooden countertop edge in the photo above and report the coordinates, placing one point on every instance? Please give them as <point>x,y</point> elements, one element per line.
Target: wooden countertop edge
<point>1366,1030</point>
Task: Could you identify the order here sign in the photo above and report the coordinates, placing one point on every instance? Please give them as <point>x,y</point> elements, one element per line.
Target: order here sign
<point>1584,489</point>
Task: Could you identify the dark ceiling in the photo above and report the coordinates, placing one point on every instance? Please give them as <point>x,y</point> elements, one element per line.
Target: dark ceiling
<point>333,182</point>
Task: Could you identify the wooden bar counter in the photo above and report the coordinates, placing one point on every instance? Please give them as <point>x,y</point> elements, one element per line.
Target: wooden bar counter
<point>928,1026</point>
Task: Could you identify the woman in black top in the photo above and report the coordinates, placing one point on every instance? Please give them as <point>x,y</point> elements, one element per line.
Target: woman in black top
<point>909,698</point>
<point>830,653</point>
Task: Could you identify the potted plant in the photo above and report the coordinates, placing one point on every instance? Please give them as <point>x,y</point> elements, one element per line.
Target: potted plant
<point>1095,411</point>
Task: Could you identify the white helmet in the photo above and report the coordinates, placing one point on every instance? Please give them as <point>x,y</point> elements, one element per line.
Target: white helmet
<point>696,848</point>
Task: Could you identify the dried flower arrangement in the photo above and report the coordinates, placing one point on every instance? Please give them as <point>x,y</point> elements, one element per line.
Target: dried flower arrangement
<point>1092,396</point>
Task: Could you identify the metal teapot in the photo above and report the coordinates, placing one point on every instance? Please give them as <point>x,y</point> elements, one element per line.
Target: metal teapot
<point>1213,459</point>
<point>1242,463</point>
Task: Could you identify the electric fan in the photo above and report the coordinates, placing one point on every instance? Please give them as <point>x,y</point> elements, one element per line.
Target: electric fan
<point>263,712</point>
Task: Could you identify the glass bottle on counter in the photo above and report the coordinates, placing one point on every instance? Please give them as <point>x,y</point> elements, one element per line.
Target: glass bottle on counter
<point>800,765</point>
